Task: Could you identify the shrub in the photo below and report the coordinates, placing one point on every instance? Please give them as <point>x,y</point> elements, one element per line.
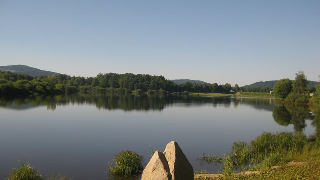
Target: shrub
<point>291,98</point>
<point>302,100</point>
<point>25,172</point>
<point>127,163</point>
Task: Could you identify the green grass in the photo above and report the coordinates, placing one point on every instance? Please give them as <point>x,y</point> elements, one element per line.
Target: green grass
<point>306,171</point>
<point>127,164</point>
<point>211,94</point>
<point>254,94</point>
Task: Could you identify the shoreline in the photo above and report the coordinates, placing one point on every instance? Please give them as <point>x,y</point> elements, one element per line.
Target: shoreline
<point>245,94</point>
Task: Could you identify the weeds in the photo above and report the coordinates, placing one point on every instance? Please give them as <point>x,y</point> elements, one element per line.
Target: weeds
<point>27,172</point>
<point>152,151</point>
<point>267,150</point>
<point>210,158</point>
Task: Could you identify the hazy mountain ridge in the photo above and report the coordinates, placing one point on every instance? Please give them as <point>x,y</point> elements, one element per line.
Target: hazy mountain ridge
<point>23,69</point>
<point>182,81</point>
<point>270,84</point>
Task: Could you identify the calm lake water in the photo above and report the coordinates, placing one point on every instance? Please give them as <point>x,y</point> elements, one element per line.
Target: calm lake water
<point>77,135</point>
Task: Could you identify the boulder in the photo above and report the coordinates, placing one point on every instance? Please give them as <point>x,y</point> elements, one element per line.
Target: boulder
<point>157,168</point>
<point>180,167</point>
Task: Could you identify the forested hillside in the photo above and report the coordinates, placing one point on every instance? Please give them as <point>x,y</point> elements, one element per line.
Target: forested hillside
<point>23,69</point>
<point>182,81</point>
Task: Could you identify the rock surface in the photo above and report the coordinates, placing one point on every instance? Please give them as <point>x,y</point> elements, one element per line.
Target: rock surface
<point>172,164</point>
<point>157,168</point>
<point>180,167</point>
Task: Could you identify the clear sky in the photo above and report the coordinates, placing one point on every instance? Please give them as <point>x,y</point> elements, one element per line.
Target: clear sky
<point>240,41</point>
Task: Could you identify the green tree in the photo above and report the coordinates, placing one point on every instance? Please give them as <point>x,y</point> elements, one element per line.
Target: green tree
<point>316,96</point>
<point>300,83</point>
<point>214,87</point>
<point>236,88</point>
<point>227,88</point>
<point>282,88</point>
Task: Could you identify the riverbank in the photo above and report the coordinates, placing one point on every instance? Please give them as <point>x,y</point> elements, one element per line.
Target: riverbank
<point>270,156</point>
<point>211,94</point>
<point>294,170</point>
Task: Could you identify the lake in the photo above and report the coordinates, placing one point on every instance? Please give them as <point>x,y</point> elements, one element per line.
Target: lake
<point>77,135</point>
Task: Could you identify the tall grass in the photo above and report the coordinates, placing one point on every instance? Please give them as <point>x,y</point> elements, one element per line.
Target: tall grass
<point>266,150</point>
<point>282,142</point>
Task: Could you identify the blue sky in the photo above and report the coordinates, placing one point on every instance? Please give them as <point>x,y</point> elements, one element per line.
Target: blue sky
<point>215,41</point>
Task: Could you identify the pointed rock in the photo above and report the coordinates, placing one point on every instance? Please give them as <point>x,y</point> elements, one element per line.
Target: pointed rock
<point>180,167</point>
<point>157,168</point>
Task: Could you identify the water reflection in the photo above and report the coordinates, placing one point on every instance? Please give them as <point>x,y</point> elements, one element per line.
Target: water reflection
<point>130,102</point>
<point>283,115</point>
<point>297,116</point>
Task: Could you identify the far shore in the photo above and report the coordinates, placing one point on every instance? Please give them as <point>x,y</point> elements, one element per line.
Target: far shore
<point>242,94</point>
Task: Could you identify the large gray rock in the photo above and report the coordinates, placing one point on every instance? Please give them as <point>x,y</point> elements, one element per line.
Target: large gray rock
<point>180,167</point>
<point>157,168</point>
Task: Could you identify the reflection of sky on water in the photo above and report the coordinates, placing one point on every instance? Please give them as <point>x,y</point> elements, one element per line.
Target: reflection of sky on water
<point>79,140</point>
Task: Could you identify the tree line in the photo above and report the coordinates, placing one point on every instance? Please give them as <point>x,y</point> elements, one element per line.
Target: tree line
<point>11,83</point>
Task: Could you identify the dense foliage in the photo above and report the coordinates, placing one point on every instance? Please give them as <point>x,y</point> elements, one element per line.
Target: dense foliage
<point>316,97</point>
<point>11,83</point>
<point>282,88</point>
<point>296,91</point>
<point>270,84</point>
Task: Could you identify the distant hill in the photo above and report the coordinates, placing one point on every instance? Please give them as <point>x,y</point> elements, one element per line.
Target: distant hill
<point>23,69</point>
<point>270,84</point>
<point>182,81</point>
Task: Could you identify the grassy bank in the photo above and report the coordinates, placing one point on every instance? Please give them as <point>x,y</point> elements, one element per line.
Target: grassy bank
<point>268,150</point>
<point>211,94</point>
<point>254,94</point>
